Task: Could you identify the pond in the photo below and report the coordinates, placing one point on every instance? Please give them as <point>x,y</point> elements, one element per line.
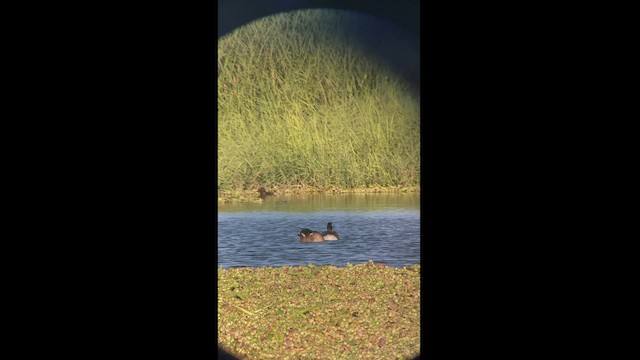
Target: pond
<point>384,228</point>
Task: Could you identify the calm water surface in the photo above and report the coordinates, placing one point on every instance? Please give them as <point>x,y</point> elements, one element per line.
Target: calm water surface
<point>384,228</point>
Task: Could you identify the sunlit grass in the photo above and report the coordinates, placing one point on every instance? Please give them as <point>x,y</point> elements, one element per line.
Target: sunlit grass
<point>299,104</point>
<point>320,312</point>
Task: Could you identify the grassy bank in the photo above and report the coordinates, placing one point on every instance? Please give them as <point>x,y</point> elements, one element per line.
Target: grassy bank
<point>300,105</point>
<point>282,192</point>
<point>366,311</point>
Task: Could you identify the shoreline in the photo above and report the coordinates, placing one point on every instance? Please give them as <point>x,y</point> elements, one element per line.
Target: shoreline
<point>251,194</point>
<point>347,266</point>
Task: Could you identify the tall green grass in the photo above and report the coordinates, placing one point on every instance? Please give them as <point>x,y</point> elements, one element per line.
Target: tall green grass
<point>299,103</point>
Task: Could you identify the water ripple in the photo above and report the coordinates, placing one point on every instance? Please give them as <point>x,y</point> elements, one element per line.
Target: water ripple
<point>269,238</point>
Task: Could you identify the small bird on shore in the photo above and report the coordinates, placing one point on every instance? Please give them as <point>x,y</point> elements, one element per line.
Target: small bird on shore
<point>264,193</point>
<point>308,235</point>
<point>330,234</point>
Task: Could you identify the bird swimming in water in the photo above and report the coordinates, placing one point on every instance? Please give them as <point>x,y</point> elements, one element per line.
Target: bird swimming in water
<point>330,234</point>
<point>308,235</point>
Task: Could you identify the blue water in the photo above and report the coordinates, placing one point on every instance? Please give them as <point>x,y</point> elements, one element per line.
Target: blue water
<point>382,228</point>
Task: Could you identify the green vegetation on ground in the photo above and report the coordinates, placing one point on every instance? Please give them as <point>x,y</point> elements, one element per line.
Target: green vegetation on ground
<point>301,105</point>
<point>298,192</point>
<point>366,311</point>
